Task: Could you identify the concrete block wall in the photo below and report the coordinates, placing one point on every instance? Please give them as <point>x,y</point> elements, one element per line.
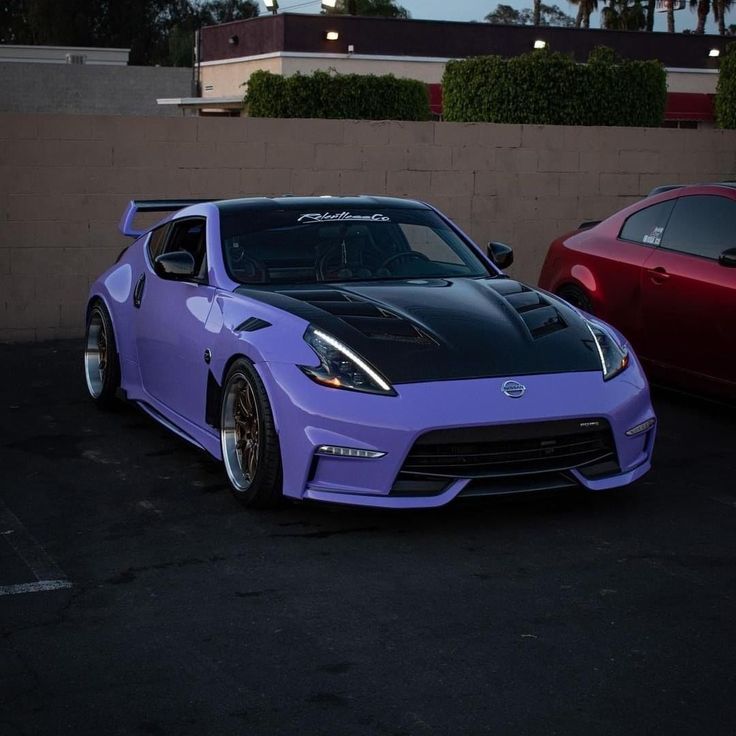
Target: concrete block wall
<point>91,89</point>
<point>65,180</point>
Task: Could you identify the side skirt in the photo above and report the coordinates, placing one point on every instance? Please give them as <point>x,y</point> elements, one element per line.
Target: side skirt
<point>210,443</point>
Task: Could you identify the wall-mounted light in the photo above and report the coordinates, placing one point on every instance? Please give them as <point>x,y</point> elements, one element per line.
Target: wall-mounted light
<point>351,48</point>
<point>539,44</point>
<point>332,35</point>
<point>714,53</point>
<point>272,5</point>
<point>233,40</point>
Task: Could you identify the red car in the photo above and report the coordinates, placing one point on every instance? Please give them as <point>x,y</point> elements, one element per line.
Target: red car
<point>663,271</point>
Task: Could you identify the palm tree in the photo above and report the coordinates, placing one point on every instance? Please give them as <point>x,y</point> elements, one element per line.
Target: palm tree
<point>702,8</point>
<point>670,16</point>
<point>720,8</point>
<point>585,9</point>
<point>537,17</point>
<point>651,8</point>
<point>620,16</point>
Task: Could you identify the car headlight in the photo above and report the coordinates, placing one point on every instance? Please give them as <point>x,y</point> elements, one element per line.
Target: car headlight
<point>341,367</point>
<point>614,356</point>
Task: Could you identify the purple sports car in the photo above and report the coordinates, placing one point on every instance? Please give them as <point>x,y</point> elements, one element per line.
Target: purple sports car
<point>361,350</point>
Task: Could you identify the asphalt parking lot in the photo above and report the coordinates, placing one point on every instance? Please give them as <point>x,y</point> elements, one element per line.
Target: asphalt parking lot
<point>175,611</point>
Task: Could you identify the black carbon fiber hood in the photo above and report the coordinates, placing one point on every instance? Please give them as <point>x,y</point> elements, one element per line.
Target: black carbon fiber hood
<point>444,329</point>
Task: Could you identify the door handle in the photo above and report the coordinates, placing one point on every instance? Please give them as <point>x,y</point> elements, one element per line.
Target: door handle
<point>138,291</point>
<point>658,275</point>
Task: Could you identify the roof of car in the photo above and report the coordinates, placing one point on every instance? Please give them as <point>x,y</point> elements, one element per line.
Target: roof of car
<point>288,202</point>
<point>670,187</point>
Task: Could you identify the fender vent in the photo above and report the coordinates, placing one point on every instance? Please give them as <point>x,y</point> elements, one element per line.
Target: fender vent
<point>252,324</point>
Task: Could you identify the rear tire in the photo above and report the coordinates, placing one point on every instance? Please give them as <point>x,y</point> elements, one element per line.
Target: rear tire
<point>576,296</point>
<point>250,445</point>
<point>101,360</point>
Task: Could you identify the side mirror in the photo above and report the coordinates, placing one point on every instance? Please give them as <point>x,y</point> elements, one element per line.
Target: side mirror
<point>501,254</point>
<point>179,264</point>
<point>728,258</point>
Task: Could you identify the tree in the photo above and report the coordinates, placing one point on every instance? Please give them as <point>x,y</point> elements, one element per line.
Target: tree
<point>47,22</point>
<point>215,12</point>
<point>552,15</point>
<point>585,10</point>
<point>537,13</point>
<point>702,8</point>
<point>620,16</point>
<point>155,31</point>
<point>651,9</point>
<point>720,8</point>
<point>191,16</point>
<point>505,15</point>
<point>549,15</point>
<point>382,8</point>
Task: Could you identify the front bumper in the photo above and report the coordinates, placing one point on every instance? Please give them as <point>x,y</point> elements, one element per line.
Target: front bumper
<point>308,416</point>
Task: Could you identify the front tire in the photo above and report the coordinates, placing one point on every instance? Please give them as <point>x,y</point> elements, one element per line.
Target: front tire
<point>250,445</point>
<point>101,360</point>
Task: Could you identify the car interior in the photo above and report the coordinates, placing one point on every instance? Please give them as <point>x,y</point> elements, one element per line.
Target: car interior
<point>334,252</point>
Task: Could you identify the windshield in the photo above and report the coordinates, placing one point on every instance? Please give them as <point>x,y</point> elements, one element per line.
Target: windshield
<point>292,246</point>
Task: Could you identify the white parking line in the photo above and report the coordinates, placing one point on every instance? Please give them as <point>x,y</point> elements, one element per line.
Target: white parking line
<point>48,574</point>
<point>38,587</point>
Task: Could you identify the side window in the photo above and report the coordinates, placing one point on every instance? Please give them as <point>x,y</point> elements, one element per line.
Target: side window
<point>156,242</point>
<point>189,235</point>
<point>702,225</point>
<point>646,226</point>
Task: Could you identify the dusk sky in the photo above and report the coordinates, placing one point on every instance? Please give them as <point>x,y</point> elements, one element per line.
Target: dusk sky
<point>468,10</point>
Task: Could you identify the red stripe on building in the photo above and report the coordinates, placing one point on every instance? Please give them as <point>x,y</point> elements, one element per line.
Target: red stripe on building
<point>680,105</point>
<point>689,106</point>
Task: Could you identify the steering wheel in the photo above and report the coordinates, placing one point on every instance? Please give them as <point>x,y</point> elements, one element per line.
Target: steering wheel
<point>325,271</point>
<point>322,268</point>
<point>407,256</point>
<point>250,268</point>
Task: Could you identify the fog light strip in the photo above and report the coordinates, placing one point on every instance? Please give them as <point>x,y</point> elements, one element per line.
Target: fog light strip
<point>336,451</point>
<point>639,428</point>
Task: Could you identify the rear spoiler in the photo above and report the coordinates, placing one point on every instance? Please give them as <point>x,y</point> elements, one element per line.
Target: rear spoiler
<point>151,205</point>
<point>665,188</point>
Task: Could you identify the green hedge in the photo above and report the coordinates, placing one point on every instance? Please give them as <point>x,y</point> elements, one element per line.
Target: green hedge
<point>325,95</point>
<point>726,90</point>
<point>544,87</point>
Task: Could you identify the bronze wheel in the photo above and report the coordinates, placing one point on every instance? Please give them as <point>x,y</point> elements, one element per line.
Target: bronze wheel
<point>250,447</point>
<point>101,365</point>
<point>241,432</point>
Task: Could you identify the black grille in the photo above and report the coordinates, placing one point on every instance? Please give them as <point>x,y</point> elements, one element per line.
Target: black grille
<point>512,449</point>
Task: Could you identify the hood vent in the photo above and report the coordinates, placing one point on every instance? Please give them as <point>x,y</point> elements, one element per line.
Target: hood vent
<point>365,316</point>
<point>538,314</point>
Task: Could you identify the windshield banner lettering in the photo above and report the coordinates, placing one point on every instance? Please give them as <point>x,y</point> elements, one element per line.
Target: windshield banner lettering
<point>342,217</point>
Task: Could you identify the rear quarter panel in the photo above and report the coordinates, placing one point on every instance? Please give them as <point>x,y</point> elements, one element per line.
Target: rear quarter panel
<point>115,289</point>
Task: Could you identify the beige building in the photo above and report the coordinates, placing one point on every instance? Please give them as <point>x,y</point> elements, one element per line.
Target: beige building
<point>288,44</point>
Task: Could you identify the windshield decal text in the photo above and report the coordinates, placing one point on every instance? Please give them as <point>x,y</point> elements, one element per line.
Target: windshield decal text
<point>342,217</point>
